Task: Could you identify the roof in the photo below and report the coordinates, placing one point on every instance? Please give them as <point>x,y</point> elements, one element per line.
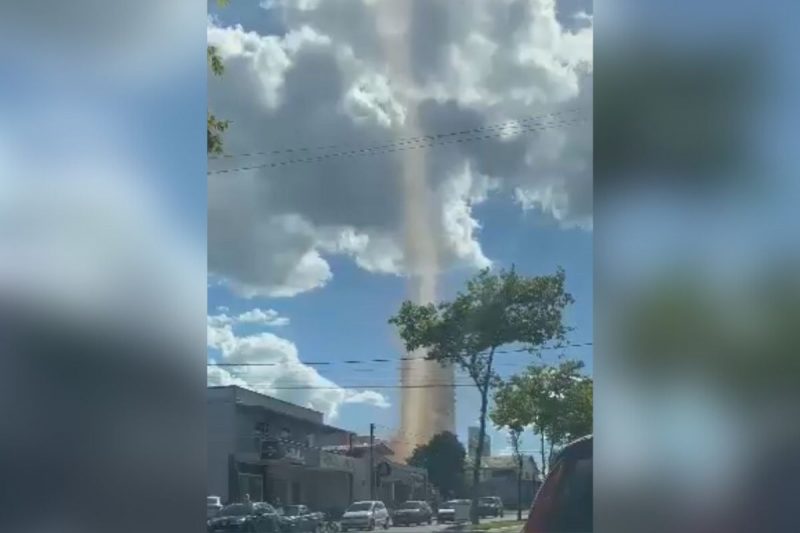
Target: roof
<point>248,399</point>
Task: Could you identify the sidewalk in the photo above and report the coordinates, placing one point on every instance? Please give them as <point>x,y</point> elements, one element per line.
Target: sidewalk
<point>504,526</point>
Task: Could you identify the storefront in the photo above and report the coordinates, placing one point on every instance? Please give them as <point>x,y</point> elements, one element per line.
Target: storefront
<point>323,481</point>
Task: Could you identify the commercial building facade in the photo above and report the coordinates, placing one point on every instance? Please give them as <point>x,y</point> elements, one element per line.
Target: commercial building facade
<point>272,451</point>
<point>283,453</point>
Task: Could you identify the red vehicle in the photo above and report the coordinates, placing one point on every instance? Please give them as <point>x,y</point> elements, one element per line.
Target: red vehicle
<point>564,503</point>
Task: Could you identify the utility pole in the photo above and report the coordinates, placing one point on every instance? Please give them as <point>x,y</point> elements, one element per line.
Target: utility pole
<point>372,462</point>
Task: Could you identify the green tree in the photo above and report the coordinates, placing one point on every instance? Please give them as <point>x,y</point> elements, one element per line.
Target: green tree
<point>555,400</point>
<point>443,457</point>
<point>511,413</point>
<point>495,310</point>
<point>215,127</point>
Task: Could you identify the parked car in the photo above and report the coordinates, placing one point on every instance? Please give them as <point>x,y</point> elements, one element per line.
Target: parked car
<point>412,512</point>
<point>255,517</point>
<point>564,502</point>
<point>213,506</point>
<point>490,506</point>
<point>447,510</point>
<point>299,518</point>
<point>366,515</point>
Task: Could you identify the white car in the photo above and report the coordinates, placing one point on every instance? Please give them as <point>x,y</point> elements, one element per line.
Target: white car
<point>213,506</point>
<point>366,515</point>
<point>448,511</point>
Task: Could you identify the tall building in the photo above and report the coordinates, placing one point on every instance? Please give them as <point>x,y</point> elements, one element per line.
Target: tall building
<point>472,442</point>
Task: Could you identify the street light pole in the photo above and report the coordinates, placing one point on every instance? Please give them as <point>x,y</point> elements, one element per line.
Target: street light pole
<point>372,462</point>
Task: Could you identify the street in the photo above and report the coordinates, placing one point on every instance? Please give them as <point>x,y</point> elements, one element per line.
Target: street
<point>510,518</point>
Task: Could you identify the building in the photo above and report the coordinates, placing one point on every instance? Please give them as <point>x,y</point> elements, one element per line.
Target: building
<point>274,451</point>
<point>498,477</point>
<point>277,451</point>
<point>472,442</point>
<point>396,482</point>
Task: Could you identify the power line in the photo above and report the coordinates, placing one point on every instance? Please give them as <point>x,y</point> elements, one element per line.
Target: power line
<point>374,386</point>
<point>391,360</point>
<point>403,140</point>
<point>369,152</point>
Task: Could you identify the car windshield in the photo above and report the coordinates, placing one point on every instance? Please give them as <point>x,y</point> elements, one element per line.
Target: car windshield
<point>363,506</point>
<point>411,505</point>
<point>292,510</point>
<point>453,503</point>
<point>487,500</point>
<point>236,509</point>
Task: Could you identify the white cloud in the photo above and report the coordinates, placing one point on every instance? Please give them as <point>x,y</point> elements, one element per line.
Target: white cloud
<point>327,82</point>
<point>286,377</point>
<point>270,317</point>
<point>368,397</point>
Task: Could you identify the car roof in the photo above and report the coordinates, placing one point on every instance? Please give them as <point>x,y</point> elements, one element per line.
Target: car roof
<point>578,449</point>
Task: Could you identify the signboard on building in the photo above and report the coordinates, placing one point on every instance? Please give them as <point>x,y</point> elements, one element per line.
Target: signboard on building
<point>335,461</point>
<point>273,449</point>
<point>294,454</point>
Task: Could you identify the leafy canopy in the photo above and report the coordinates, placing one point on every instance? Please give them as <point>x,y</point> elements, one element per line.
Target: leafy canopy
<point>443,457</point>
<point>556,400</point>
<point>215,127</point>
<point>494,310</point>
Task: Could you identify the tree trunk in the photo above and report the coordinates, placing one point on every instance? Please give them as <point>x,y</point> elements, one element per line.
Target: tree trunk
<point>476,467</point>
<point>544,465</point>
<point>519,488</point>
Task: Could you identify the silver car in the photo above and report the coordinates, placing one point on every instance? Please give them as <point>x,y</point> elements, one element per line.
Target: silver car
<point>366,515</point>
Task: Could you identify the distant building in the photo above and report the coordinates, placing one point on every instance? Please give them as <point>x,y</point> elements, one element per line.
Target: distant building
<point>498,477</point>
<point>472,443</point>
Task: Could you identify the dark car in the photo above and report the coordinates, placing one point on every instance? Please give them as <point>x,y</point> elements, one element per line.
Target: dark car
<point>299,518</point>
<point>255,517</point>
<point>413,512</point>
<point>564,503</point>
<point>490,506</point>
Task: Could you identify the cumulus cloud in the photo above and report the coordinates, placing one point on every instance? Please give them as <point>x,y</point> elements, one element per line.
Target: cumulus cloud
<point>283,375</point>
<point>258,316</point>
<point>325,81</point>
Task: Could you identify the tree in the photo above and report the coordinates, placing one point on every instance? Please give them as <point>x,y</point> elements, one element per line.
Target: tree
<point>511,413</point>
<point>443,458</point>
<point>494,311</point>
<point>215,127</point>
<point>555,400</point>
